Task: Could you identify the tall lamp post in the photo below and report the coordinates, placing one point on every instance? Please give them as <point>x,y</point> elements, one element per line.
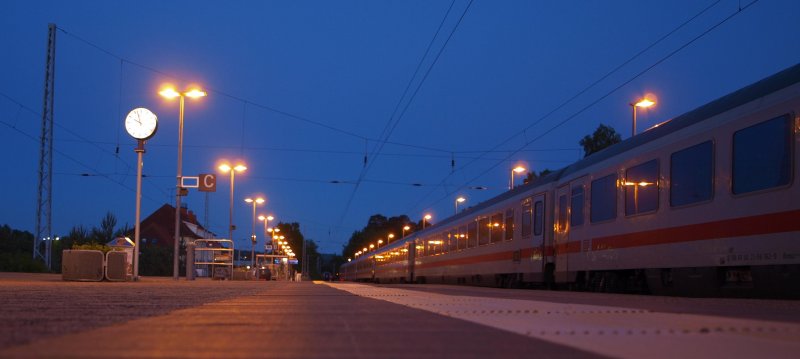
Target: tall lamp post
<point>518,169</point>
<point>141,124</point>
<point>459,200</point>
<point>266,220</point>
<point>232,171</point>
<point>405,228</point>
<point>170,93</point>
<point>643,103</point>
<point>426,218</point>
<point>255,201</point>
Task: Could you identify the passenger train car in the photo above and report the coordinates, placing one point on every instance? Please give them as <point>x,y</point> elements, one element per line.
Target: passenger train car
<point>705,204</point>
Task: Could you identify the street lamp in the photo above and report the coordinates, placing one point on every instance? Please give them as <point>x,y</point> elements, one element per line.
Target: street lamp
<point>459,200</point>
<point>232,171</point>
<point>266,220</point>
<point>389,238</point>
<point>170,93</point>
<point>643,103</point>
<point>425,219</point>
<point>380,241</point>
<point>518,169</point>
<point>405,228</point>
<point>253,238</point>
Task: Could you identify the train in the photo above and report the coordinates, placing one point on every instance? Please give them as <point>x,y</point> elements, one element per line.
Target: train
<point>704,204</point>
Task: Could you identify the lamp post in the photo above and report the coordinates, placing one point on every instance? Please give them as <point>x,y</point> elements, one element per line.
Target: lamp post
<point>405,228</point>
<point>253,238</point>
<point>266,220</point>
<point>232,171</point>
<point>643,103</point>
<point>426,218</point>
<point>459,200</point>
<point>170,93</point>
<point>389,238</point>
<point>380,241</point>
<point>518,169</point>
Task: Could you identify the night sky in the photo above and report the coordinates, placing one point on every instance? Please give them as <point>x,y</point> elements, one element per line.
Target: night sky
<point>302,90</point>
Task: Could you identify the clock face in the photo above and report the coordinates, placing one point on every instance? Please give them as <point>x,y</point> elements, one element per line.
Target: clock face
<point>141,123</point>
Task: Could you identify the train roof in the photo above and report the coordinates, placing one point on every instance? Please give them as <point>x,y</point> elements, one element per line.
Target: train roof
<point>764,87</point>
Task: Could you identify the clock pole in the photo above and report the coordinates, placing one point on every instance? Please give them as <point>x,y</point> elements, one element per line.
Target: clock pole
<point>136,233</point>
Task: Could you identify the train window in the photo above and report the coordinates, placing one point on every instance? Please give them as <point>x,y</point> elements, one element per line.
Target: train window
<point>692,175</point>
<point>641,188</point>
<point>420,247</point>
<point>527,216</point>
<point>462,237</point>
<point>509,224</point>
<point>484,229</point>
<point>762,155</point>
<point>603,199</point>
<point>452,236</point>
<point>472,234</point>
<point>538,218</point>
<point>576,206</point>
<point>497,227</point>
<point>562,213</point>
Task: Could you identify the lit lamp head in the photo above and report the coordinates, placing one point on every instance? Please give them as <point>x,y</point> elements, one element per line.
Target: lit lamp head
<point>406,228</point>
<point>460,199</point>
<point>519,169</point>
<point>428,217</point>
<point>644,103</point>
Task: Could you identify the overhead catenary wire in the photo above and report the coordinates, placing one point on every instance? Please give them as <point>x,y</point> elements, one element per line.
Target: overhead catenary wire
<point>607,94</point>
<point>393,122</point>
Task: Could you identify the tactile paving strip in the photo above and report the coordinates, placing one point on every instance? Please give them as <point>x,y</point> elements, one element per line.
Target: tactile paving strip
<point>612,331</point>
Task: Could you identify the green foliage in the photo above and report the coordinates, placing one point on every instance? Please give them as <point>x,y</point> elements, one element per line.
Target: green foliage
<point>94,246</point>
<point>604,136</point>
<point>16,251</point>
<point>155,260</point>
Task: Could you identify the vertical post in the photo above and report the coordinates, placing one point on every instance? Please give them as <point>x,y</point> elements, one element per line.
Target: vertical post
<point>137,226</point>
<point>178,194</point>
<point>230,211</point>
<point>253,238</point>
<point>44,203</point>
<point>633,129</point>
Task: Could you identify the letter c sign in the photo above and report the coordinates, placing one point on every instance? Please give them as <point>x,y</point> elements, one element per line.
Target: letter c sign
<point>208,183</point>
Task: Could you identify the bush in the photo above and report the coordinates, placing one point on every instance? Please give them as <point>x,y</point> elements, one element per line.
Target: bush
<point>94,246</point>
<point>20,262</point>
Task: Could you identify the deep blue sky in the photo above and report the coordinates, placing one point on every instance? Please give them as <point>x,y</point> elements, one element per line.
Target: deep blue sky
<point>345,64</point>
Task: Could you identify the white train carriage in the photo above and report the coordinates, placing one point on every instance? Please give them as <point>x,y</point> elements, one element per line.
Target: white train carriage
<point>702,204</point>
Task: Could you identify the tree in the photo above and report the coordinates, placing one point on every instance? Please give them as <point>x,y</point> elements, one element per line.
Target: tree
<point>16,251</point>
<point>604,136</point>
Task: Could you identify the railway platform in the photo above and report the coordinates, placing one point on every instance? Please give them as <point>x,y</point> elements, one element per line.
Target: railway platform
<point>158,317</point>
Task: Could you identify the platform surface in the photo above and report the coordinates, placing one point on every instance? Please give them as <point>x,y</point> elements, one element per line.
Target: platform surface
<point>158,317</point>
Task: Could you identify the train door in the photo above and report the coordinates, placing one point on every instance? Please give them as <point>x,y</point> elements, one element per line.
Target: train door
<point>561,233</point>
<point>538,218</point>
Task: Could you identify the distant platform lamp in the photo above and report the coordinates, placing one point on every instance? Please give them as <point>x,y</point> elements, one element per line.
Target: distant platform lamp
<point>141,124</point>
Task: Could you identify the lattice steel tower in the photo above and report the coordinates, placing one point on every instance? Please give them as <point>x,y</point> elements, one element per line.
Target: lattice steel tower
<point>42,243</point>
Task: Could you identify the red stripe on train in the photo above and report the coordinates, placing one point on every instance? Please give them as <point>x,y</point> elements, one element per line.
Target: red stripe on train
<point>737,227</point>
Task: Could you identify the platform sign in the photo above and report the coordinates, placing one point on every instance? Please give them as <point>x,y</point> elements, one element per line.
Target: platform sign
<point>190,182</point>
<point>207,182</point>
